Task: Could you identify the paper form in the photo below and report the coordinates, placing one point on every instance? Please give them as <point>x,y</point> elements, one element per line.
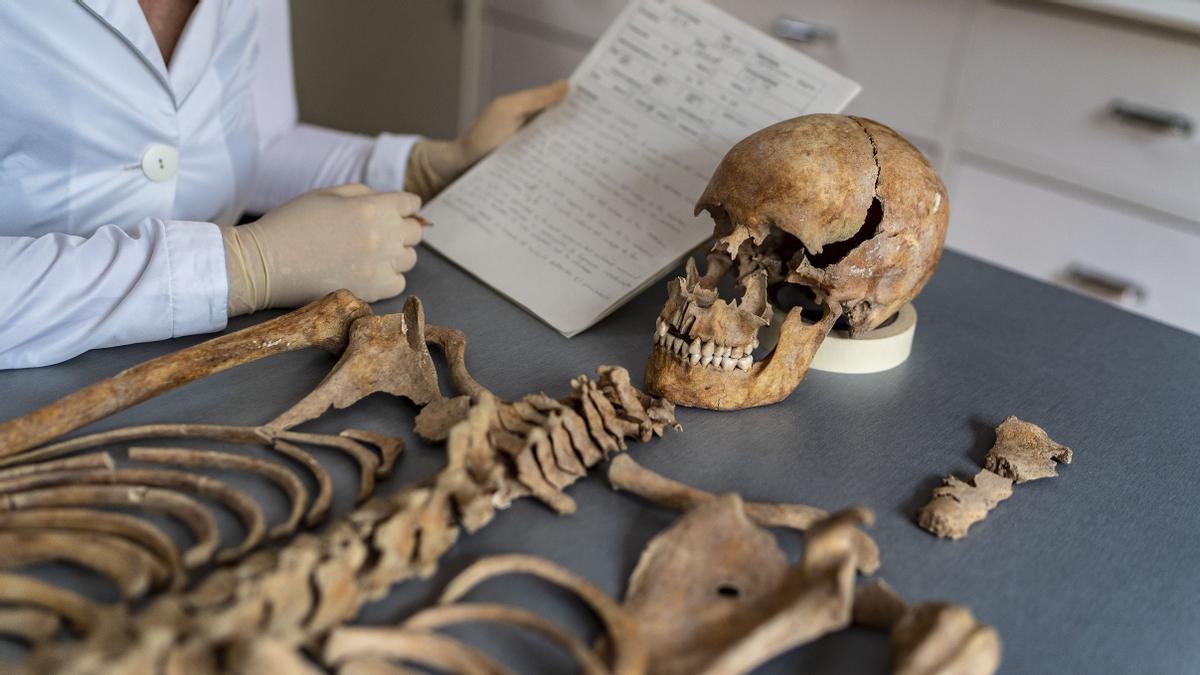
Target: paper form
<point>592,201</point>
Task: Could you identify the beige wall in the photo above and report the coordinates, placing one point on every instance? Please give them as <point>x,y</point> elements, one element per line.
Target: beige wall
<point>378,65</point>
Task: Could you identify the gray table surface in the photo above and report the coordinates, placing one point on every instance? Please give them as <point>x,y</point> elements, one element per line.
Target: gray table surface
<point>1094,571</point>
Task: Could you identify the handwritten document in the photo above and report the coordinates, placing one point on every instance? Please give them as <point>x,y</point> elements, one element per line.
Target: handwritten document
<point>592,201</point>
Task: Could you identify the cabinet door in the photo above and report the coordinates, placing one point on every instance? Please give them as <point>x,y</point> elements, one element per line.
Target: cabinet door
<point>1037,93</point>
<point>515,59</point>
<point>902,52</point>
<point>1151,268</point>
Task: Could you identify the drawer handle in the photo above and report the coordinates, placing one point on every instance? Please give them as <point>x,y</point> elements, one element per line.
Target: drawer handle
<point>1153,118</point>
<point>1104,285</point>
<point>805,32</point>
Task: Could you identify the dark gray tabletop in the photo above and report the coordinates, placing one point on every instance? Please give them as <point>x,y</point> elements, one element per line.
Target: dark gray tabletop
<point>1094,571</point>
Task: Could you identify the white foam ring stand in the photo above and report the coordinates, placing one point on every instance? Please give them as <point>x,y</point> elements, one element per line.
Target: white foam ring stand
<point>881,349</point>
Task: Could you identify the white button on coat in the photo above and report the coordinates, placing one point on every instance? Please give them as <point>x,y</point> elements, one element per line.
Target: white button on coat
<point>160,163</point>
<point>108,234</point>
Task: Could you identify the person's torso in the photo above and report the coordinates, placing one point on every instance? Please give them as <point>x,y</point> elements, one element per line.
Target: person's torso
<point>90,118</point>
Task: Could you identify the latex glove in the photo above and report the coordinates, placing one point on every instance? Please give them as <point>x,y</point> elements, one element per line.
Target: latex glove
<point>344,237</point>
<point>433,164</point>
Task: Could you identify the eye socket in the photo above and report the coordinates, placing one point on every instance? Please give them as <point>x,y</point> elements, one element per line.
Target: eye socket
<point>728,591</point>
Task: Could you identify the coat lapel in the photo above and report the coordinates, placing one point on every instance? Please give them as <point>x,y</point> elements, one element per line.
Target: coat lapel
<point>125,18</point>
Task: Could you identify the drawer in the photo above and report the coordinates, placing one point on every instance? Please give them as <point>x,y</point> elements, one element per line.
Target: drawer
<point>1036,93</point>
<point>902,52</point>
<point>1045,234</point>
<point>514,59</point>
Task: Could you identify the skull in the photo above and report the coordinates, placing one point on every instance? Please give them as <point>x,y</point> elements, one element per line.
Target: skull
<point>842,209</point>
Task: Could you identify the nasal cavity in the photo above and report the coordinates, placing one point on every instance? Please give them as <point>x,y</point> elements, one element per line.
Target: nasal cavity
<point>834,252</point>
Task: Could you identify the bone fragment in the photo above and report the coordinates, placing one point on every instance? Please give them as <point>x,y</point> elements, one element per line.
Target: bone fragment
<point>323,324</point>
<point>1024,452</point>
<point>957,505</point>
<point>384,354</point>
<point>624,473</point>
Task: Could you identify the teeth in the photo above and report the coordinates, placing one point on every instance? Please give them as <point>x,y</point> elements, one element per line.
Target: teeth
<point>680,345</point>
<point>687,323</point>
<point>694,348</point>
<point>744,362</point>
<point>707,350</point>
<point>661,328</point>
<point>694,359</point>
<point>754,345</point>
<point>707,359</point>
<point>726,351</point>
<point>728,363</point>
<point>736,353</point>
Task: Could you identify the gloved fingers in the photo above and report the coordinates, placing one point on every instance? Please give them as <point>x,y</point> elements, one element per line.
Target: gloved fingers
<point>528,101</point>
<point>402,204</point>
<point>404,260</point>
<point>349,190</point>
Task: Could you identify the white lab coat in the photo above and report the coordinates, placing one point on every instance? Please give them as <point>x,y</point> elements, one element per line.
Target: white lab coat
<point>115,170</point>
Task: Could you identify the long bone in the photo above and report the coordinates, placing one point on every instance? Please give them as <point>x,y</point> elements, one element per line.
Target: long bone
<point>323,324</point>
<point>624,473</point>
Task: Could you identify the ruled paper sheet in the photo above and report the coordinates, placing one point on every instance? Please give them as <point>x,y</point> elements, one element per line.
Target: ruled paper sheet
<point>592,201</point>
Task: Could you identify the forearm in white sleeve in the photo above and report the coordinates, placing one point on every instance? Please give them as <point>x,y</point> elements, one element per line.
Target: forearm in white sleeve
<point>61,295</point>
<point>306,157</point>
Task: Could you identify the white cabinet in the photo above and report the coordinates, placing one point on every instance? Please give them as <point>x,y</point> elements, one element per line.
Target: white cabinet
<point>1055,235</point>
<point>902,52</point>
<point>1036,93</point>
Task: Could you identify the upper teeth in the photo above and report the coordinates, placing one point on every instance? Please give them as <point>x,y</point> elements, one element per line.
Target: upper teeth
<point>704,352</point>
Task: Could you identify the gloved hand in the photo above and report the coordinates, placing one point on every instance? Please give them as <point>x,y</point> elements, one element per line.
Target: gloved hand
<point>344,237</point>
<point>434,164</point>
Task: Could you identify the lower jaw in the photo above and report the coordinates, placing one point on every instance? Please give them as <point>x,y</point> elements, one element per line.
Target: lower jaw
<point>767,382</point>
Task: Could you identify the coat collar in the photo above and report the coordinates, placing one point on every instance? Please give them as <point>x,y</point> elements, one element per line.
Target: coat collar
<point>192,54</point>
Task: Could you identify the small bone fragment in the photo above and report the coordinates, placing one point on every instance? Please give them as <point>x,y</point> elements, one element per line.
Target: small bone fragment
<point>287,481</point>
<point>626,474</point>
<point>33,625</point>
<point>1024,452</point>
<point>453,344</point>
<point>383,354</point>
<point>428,649</point>
<point>628,645</point>
<point>16,589</point>
<point>390,448</point>
<point>957,505</point>
<point>441,616</point>
<point>323,324</point>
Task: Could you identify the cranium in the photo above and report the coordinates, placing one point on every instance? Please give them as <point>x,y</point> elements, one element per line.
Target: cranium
<point>841,208</point>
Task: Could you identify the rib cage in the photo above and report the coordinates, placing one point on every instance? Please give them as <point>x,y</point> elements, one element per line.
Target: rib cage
<point>280,599</point>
